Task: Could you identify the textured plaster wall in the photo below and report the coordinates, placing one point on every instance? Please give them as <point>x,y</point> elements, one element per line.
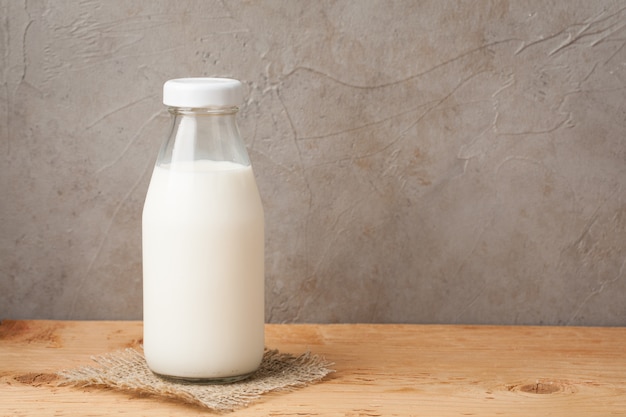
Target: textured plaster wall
<point>440,161</point>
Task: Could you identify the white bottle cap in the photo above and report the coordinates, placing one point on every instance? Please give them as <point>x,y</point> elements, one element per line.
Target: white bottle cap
<point>202,92</point>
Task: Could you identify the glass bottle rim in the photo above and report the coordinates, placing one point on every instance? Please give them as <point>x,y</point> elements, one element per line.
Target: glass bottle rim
<point>203,110</point>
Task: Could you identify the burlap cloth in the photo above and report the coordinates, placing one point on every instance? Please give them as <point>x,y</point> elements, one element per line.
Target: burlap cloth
<point>126,370</point>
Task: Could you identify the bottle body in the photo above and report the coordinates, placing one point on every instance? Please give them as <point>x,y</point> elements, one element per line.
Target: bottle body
<point>203,255</point>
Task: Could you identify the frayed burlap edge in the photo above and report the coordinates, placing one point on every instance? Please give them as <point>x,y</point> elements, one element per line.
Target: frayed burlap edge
<point>126,370</point>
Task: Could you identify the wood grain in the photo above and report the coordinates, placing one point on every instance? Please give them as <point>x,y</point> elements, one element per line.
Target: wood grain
<point>381,370</point>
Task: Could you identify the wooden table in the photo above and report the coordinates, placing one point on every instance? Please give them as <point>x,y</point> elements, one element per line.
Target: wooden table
<point>381,370</point>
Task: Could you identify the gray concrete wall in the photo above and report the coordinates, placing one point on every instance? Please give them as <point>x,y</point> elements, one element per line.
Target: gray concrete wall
<point>440,161</point>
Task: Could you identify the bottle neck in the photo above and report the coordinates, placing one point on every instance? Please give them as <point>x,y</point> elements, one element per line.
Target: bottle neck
<point>203,134</point>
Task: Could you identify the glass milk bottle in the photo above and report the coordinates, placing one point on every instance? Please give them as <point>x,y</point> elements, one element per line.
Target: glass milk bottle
<point>203,241</point>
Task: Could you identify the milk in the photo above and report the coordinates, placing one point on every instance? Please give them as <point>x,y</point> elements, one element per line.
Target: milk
<point>203,239</point>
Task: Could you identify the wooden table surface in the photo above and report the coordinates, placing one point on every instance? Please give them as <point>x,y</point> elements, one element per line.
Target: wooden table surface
<point>381,370</point>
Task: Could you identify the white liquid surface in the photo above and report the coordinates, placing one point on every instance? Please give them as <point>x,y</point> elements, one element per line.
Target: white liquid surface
<point>203,265</point>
